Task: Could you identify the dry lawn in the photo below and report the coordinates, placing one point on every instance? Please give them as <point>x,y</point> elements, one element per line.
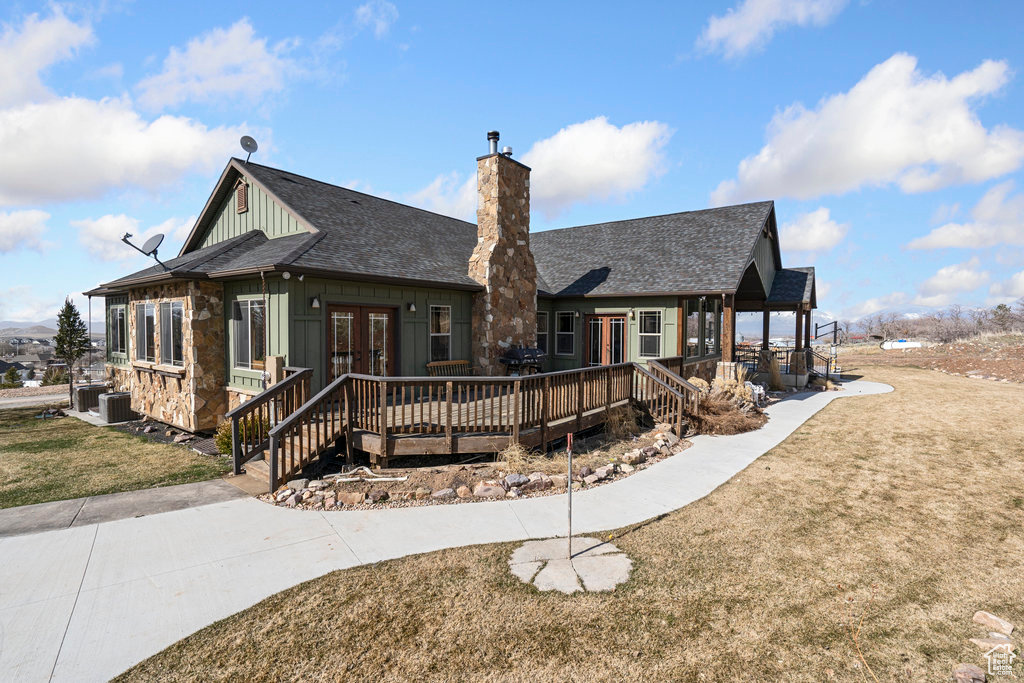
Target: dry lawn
<point>62,458</point>
<point>919,492</point>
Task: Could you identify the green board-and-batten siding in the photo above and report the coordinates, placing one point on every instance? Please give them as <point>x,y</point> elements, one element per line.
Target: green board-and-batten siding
<point>764,257</point>
<point>263,214</point>
<point>277,326</point>
<point>110,302</point>
<point>666,304</point>
<point>308,333</point>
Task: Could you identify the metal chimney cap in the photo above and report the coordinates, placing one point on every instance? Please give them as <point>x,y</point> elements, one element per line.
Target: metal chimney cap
<point>506,150</point>
<point>492,135</point>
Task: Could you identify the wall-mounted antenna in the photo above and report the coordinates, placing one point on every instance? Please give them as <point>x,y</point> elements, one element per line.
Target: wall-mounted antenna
<point>249,145</point>
<point>149,248</point>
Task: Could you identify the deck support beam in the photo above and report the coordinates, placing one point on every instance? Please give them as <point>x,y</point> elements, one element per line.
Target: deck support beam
<point>728,327</point>
<point>766,328</point>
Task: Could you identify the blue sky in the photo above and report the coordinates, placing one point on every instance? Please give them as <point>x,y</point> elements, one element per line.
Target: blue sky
<point>890,134</point>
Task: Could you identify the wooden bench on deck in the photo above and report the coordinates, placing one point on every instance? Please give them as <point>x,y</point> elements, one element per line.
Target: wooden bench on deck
<point>449,368</point>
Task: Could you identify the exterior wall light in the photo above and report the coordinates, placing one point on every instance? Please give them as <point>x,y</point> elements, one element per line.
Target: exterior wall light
<point>286,275</point>
<point>314,303</point>
<point>411,307</point>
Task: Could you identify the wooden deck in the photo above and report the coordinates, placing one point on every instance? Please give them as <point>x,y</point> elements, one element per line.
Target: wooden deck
<point>396,416</point>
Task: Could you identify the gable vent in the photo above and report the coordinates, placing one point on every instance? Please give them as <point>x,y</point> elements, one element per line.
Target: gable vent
<point>241,197</point>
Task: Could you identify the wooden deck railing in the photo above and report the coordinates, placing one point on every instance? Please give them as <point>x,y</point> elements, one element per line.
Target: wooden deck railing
<point>426,415</point>
<point>252,421</point>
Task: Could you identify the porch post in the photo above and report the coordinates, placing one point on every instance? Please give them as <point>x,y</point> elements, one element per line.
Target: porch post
<point>799,330</point>
<point>728,327</point>
<point>765,328</point>
<point>807,327</point>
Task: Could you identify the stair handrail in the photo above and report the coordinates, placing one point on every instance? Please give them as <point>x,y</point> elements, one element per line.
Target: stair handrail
<point>688,389</point>
<point>679,396</point>
<point>242,449</point>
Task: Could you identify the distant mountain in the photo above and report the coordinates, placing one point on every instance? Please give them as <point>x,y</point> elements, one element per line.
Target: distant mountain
<point>42,329</point>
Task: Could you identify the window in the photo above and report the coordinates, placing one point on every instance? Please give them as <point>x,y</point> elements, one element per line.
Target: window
<point>117,336</point>
<point>691,331</point>
<point>145,333</point>
<point>565,333</point>
<point>241,197</point>
<point>171,338</point>
<point>250,341</point>
<point>711,323</point>
<point>440,333</point>
<point>650,334</point>
<point>542,331</point>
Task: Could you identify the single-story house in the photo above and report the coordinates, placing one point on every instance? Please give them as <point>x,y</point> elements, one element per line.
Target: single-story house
<point>282,266</point>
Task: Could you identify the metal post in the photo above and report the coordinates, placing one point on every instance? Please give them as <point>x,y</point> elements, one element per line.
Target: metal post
<point>568,448</point>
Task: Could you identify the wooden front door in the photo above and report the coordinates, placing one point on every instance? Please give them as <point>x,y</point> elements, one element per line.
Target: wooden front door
<point>360,339</point>
<point>606,339</point>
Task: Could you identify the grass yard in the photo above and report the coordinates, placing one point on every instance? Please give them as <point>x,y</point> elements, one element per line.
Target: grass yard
<point>919,493</point>
<point>58,459</point>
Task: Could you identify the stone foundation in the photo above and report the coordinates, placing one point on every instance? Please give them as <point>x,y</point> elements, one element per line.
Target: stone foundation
<point>727,371</point>
<point>505,313</point>
<point>191,397</point>
<point>704,369</point>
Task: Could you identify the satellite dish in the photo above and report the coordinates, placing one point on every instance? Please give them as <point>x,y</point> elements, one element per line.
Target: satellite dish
<point>151,245</point>
<point>249,145</point>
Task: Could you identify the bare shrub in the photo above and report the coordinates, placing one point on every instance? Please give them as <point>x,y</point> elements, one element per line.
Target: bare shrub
<point>623,421</point>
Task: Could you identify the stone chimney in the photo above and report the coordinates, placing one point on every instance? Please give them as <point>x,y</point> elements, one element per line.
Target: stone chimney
<point>505,313</point>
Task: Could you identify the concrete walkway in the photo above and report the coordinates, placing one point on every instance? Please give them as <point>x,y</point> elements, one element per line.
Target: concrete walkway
<point>87,602</point>
<point>62,514</point>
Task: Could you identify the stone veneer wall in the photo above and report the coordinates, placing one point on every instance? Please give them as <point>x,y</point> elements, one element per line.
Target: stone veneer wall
<point>505,314</point>
<point>191,397</point>
<point>705,369</point>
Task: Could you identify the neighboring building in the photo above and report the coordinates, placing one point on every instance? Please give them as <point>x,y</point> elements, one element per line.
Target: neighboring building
<point>23,371</point>
<point>280,265</point>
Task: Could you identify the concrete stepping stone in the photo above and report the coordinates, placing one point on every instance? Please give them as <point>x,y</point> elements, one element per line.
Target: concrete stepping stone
<point>595,565</point>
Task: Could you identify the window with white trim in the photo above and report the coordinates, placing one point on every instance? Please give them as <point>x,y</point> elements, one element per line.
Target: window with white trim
<point>565,333</point>
<point>649,330</point>
<point>440,333</point>
<point>542,331</point>
<point>172,314</point>
<point>145,332</point>
<point>248,318</point>
<point>117,331</point>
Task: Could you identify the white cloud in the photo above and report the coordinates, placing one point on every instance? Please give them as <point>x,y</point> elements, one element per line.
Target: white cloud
<point>230,63</point>
<point>874,305</point>
<point>949,282</point>
<point>27,50</point>
<point>449,195</point>
<point>22,303</point>
<point>21,230</point>
<point>101,236</point>
<point>813,231</point>
<point>896,126</point>
<point>1008,290</point>
<point>594,160</point>
<point>379,14</point>
<point>62,148</point>
<point>752,23</point>
<point>73,148</point>
<point>998,219</point>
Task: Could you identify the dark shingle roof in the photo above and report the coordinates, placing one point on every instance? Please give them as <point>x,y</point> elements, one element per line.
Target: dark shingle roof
<point>366,235</point>
<point>792,286</point>
<point>358,235</point>
<point>695,251</point>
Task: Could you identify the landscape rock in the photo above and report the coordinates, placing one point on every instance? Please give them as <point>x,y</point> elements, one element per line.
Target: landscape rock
<point>296,484</point>
<point>307,494</point>
<point>649,451</point>
<point>968,673</point>
<point>538,475</point>
<point>989,620</point>
<point>293,500</point>
<point>514,492</point>
<point>378,496</point>
<point>626,468</point>
<point>182,438</point>
<point>463,492</point>
<point>330,503</point>
<point>585,471</point>
<point>603,472</point>
<point>591,479</point>
<point>443,494</point>
<point>317,484</point>
<point>421,493</point>
<point>485,489</point>
<point>352,498</point>
<point>634,457</point>
<point>170,432</point>
<point>536,485</point>
<point>316,500</point>
<point>671,439</point>
<point>283,495</point>
<point>516,480</point>
<point>149,429</point>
